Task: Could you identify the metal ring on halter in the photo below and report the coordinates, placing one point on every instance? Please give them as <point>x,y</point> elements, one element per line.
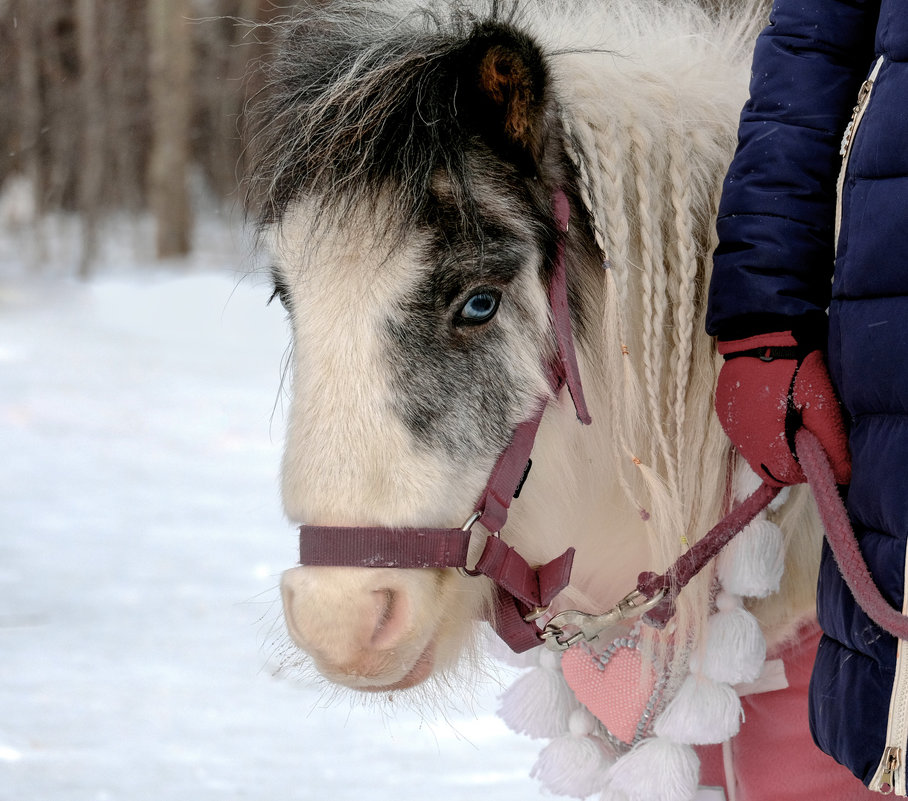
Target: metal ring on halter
<point>537,613</point>
<point>557,640</point>
<point>468,526</point>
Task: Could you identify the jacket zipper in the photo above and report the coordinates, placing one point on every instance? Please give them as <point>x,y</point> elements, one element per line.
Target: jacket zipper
<point>848,138</point>
<point>890,774</point>
<point>888,771</point>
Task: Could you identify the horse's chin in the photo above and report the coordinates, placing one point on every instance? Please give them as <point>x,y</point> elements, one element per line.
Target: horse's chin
<point>421,670</point>
<point>397,671</point>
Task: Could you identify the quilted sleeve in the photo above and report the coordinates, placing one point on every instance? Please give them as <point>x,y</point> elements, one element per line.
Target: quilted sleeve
<point>773,265</point>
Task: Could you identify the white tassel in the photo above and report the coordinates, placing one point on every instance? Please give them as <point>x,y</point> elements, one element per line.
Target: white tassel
<point>704,712</point>
<point>753,562</point>
<point>576,763</point>
<point>747,482</point>
<point>656,769</point>
<point>539,703</point>
<point>735,648</point>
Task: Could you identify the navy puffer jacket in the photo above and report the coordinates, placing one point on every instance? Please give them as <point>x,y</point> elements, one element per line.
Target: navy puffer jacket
<point>778,267</point>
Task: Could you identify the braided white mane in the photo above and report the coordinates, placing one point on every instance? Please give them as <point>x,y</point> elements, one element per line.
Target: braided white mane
<point>650,94</point>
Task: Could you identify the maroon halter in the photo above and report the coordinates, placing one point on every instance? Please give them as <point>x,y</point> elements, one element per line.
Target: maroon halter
<point>523,592</point>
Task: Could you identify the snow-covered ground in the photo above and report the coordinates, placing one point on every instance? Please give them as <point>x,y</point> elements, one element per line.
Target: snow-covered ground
<point>141,542</point>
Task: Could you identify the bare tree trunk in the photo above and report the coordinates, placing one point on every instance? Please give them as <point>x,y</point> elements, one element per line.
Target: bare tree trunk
<point>29,125</point>
<point>124,34</point>
<point>29,93</point>
<point>61,99</point>
<point>171,60</point>
<point>93,146</point>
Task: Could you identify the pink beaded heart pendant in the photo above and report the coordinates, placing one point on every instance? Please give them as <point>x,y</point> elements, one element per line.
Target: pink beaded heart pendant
<point>615,686</point>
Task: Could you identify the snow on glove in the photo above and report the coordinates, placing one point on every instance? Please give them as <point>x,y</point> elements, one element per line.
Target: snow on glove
<point>768,388</point>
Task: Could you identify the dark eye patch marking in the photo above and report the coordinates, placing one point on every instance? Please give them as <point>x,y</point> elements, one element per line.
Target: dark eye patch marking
<point>455,386</point>
<point>452,397</point>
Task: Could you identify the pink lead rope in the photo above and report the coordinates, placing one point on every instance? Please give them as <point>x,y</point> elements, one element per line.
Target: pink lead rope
<point>839,534</point>
<point>841,537</point>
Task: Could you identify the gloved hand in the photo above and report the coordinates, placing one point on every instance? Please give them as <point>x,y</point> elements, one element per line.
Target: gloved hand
<point>768,388</point>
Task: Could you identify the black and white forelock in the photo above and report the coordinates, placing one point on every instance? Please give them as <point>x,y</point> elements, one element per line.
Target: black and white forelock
<point>368,101</point>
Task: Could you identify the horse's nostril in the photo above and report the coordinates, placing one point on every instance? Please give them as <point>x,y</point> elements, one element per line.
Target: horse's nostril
<point>390,619</point>
<point>292,611</point>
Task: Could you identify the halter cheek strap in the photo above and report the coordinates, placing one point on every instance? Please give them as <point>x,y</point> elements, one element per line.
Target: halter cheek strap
<point>569,373</point>
<point>522,591</point>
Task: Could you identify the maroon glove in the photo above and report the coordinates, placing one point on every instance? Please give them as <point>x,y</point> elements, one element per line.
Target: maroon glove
<point>767,389</point>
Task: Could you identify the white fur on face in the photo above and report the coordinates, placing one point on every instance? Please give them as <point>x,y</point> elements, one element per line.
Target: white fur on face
<point>350,460</point>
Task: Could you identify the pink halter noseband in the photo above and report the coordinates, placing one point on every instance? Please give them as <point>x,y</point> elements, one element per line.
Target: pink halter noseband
<point>523,592</point>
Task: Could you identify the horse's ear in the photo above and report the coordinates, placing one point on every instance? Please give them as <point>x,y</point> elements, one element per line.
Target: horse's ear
<point>508,77</point>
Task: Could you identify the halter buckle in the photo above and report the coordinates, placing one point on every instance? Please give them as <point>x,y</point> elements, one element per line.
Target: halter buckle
<point>468,527</point>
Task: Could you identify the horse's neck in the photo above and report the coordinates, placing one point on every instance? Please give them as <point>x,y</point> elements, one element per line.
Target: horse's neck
<point>572,498</point>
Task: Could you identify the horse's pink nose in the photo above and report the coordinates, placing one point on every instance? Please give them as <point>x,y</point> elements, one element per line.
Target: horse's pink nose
<point>354,633</point>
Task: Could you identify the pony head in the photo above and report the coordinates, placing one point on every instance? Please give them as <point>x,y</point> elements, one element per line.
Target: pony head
<point>409,184</point>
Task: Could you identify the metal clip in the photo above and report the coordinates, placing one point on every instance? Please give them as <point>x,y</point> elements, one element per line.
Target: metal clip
<point>589,627</point>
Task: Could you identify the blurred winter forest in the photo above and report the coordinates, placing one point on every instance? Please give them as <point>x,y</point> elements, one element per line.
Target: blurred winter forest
<point>125,108</point>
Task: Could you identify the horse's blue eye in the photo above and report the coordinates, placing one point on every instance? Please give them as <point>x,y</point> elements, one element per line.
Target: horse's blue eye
<point>479,308</point>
